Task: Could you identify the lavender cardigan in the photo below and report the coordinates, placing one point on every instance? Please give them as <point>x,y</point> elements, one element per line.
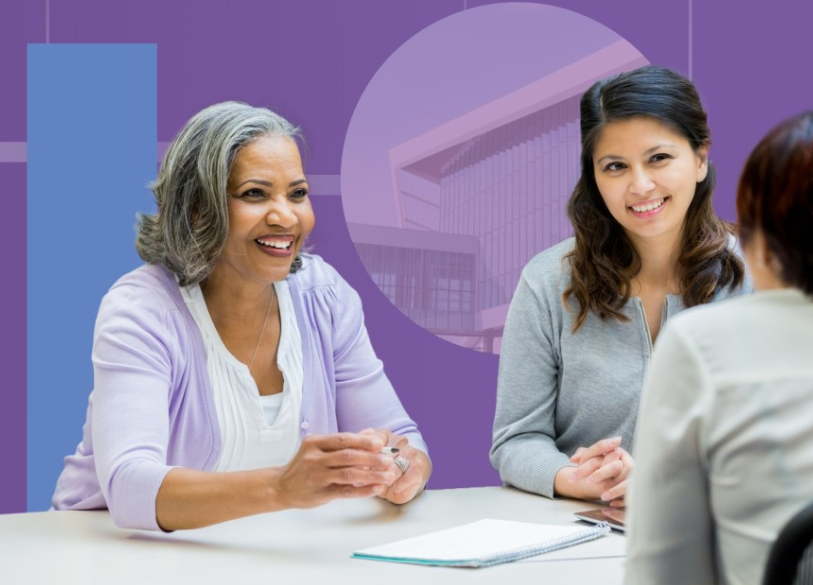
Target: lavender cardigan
<point>152,409</point>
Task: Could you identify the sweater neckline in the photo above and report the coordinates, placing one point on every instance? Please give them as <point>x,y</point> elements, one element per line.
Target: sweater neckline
<point>194,295</point>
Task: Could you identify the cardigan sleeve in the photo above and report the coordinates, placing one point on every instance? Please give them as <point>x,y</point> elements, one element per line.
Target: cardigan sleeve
<point>365,397</point>
<point>523,448</point>
<point>130,419</point>
<point>671,532</point>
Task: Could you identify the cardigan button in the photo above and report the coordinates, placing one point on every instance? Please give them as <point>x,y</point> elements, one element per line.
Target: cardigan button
<point>304,426</point>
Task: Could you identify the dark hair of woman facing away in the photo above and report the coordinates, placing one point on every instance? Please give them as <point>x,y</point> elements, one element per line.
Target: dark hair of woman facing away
<point>604,261</point>
<point>775,196</point>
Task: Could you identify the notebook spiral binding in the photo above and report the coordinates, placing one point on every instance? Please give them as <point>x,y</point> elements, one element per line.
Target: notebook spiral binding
<point>585,535</point>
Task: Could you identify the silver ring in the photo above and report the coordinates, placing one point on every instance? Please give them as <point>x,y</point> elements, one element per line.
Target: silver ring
<point>403,464</point>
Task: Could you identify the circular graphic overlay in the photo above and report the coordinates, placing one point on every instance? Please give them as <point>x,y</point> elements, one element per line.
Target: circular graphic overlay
<point>461,155</point>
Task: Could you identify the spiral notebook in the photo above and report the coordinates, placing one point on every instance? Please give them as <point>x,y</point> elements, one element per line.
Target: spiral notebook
<point>483,543</point>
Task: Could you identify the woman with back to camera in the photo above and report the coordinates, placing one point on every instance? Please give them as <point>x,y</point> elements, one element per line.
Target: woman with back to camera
<point>579,333</point>
<point>233,374</point>
<point>725,442</point>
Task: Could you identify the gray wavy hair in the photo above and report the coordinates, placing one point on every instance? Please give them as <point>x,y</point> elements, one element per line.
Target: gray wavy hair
<point>189,231</point>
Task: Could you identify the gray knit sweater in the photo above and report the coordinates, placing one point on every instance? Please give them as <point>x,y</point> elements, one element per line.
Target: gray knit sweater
<point>558,391</point>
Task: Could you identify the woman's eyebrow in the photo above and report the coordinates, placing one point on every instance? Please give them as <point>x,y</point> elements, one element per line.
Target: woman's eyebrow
<point>610,157</point>
<point>260,181</point>
<point>650,151</point>
<point>269,183</point>
<point>659,146</point>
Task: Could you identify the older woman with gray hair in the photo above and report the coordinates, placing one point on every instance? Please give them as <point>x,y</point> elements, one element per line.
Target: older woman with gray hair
<point>233,374</point>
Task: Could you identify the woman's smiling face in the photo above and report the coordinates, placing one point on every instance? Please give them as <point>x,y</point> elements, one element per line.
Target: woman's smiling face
<point>647,174</point>
<point>270,214</point>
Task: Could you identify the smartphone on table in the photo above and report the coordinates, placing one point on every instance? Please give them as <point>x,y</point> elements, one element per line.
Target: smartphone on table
<point>612,516</point>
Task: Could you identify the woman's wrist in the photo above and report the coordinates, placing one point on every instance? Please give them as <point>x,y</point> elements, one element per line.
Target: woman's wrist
<point>564,487</point>
<point>426,470</point>
<point>271,491</point>
<point>561,482</point>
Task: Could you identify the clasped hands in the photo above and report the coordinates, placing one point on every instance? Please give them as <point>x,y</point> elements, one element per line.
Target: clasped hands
<point>349,465</point>
<point>602,472</point>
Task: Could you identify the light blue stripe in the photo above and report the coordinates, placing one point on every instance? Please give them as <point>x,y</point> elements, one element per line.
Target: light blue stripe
<point>92,137</point>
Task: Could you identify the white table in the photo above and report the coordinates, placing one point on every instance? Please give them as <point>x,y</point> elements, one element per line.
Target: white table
<point>295,546</point>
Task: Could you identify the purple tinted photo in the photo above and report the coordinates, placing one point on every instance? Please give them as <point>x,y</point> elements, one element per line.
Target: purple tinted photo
<point>450,184</point>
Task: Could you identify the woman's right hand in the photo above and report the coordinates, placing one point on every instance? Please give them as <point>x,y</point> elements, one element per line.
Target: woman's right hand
<point>342,465</point>
<point>611,476</point>
<point>602,469</point>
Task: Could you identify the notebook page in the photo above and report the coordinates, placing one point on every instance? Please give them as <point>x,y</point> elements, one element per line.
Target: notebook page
<point>481,539</point>
<point>613,545</point>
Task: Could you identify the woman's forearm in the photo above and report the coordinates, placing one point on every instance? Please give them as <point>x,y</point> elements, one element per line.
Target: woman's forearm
<point>326,467</point>
<point>189,498</point>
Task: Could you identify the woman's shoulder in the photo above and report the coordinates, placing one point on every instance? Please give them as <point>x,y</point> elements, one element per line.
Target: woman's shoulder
<point>737,335</point>
<point>318,279</point>
<point>734,246</point>
<point>747,286</point>
<point>333,305</point>
<point>314,272</point>
<point>550,266</point>
<point>148,285</point>
<point>743,315</point>
<point>147,304</point>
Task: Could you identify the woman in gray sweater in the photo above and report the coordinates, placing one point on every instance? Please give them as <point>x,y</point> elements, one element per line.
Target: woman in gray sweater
<point>586,312</point>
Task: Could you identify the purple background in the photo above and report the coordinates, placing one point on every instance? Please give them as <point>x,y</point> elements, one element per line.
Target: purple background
<point>311,61</point>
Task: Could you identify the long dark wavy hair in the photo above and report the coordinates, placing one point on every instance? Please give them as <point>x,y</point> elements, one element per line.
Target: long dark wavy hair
<point>604,260</point>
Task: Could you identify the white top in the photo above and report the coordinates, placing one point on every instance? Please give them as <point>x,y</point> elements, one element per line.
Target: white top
<point>724,445</point>
<point>272,404</point>
<point>257,431</point>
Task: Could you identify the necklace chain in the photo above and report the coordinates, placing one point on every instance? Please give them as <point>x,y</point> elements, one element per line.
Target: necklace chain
<point>259,338</point>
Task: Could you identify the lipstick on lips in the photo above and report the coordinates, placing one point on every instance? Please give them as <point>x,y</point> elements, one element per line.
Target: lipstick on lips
<point>280,246</point>
<point>649,208</point>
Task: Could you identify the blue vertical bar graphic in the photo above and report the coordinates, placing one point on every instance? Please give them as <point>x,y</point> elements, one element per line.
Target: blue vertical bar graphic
<point>92,140</point>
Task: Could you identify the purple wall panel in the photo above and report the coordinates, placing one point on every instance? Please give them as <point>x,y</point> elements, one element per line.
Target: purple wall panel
<point>12,338</point>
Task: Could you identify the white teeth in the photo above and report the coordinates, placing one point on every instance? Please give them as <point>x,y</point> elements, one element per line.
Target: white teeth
<point>275,244</point>
<point>650,207</point>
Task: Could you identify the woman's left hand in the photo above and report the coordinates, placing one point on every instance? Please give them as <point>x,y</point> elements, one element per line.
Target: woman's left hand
<point>609,471</point>
<point>619,477</point>
<point>411,482</point>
